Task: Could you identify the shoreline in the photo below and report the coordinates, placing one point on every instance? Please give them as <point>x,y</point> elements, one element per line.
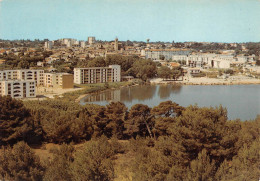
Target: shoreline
<point>208,81</point>
<point>84,95</point>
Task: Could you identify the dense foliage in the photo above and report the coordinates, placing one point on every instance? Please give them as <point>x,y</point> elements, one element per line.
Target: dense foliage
<point>167,73</point>
<point>14,121</point>
<point>20,163</point>
<point>167,142</point>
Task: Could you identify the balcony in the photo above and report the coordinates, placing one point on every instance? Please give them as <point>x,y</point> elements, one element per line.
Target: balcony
<point>17,95</point>
<point>17,91</point>
<point>17,87</point>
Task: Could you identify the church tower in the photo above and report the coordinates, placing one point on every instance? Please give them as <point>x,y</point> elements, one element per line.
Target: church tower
<point>116,44</point>
<point>147,43</point>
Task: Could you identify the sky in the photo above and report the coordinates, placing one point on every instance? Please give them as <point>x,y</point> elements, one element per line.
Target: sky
<point>135,20</point>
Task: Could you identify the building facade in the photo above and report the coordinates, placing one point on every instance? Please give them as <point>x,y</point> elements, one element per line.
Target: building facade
<point>221,61</point>
<point>97,74</point>
<point>82,44</point>
<point>58,80</point>
<point>155,54</point>
<point>48,45</point>
<point>91,40</point>
<point>18,88</point>
<point>23,74</point>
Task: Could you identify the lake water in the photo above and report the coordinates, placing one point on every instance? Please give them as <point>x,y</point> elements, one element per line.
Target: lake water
<point>241,101</point>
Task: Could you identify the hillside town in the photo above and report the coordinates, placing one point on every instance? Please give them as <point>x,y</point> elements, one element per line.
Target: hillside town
<point>31,68</point>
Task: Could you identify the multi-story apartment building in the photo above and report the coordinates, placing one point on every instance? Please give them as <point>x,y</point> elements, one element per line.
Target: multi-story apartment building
<point>179,57</point>
<point>91,40</point>
<point>17,88</point>
<point>48,45</point>
<point>198,60</point>
<point>167,54</point>
<point>206,60</point>
<point>82,44</point>
<point>58,80</point>
<point>24,74</point>
<point>97,74</point>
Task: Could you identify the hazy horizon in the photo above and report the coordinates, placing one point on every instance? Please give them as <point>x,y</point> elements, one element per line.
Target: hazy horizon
<point>125,40</point>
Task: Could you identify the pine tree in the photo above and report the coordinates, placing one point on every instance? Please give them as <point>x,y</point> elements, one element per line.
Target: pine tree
<point>116,113</point>
<point>205,128</point>
<point>59,168</point>
<point>167,109</point>
<point>139,121</point>
<point>244,166</point>
<point>94,161</point>
<point>14,121</point>
<point>201,169</point>
<point>20,163</point>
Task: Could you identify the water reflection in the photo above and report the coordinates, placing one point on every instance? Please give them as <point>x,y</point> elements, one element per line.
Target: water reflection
<point>104,96</point>
<point>140,93</point>
<point>165,91</point>
<point>235,98</point>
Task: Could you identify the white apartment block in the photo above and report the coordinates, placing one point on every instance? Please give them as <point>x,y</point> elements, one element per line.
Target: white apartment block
<point>48,45</point>
<point>221,61</point>
<point>23,74</point>
<point>82,44</point>
<point>76,42</point>
<point>69,42</point>
<point>179,57</point>
<point>199,60</point>
<point>97,74</point>
<point>18,88</point>
<point>155,54</point>
<point>244,59</point>
<point>91,40</point>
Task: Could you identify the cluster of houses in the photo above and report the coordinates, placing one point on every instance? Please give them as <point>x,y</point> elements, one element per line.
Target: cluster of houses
<point>67,49</point>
